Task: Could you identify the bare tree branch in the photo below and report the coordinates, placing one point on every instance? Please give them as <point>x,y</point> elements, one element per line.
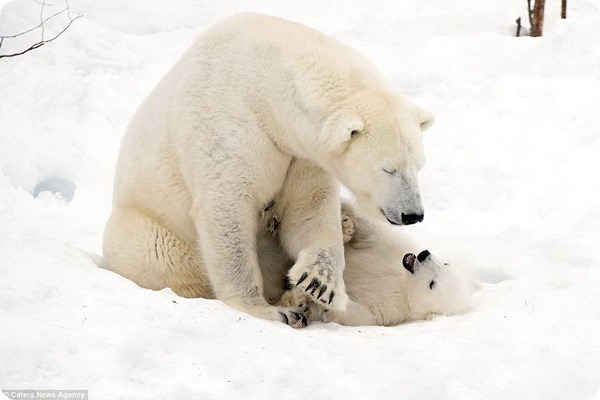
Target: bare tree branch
<point>41,26</point>
<point>529,11</point>
<point>35,27</point>
<point>42,18</point>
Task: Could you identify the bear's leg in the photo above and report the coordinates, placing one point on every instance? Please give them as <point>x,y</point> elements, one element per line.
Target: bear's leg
<point>274,262</point>
<point>310,232</point>
<point>139,248</point>
<point>227,235</point>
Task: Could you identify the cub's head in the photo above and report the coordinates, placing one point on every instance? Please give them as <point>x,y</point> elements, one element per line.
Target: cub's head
<point>435,288</point>
<point>374,146</point>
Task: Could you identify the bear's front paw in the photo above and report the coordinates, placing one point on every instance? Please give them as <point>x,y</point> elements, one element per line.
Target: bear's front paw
<point>319,276</point>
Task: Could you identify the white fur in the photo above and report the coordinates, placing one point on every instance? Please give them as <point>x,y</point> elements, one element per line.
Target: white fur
<point>259,108</point>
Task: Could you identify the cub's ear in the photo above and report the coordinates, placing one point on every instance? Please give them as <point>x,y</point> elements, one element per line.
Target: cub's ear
<point>426,119</point>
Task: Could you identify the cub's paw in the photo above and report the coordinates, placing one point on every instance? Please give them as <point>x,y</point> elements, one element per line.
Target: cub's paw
<point>347,227</point>
<point>295,319</point>
<point>319,276</point>
<point>271,219</point>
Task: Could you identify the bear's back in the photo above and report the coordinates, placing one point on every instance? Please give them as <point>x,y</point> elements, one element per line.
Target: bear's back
<point>261,41</point>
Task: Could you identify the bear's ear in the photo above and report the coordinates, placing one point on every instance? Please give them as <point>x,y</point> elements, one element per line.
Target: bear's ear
<point>426,119</point>
<point>349,127</point>
<point>338,132</point>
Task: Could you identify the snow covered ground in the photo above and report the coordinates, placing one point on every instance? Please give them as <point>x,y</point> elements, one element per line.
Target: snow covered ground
<point>511,189</point>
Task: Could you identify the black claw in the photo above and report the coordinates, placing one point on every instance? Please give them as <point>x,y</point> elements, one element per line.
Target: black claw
<point>300,317</point>
<point>331,296</point>
<point>323,289</point>
<point>287,284</point>
<point>302,278</point>
<point>312,283</point>
<point>285,318</point>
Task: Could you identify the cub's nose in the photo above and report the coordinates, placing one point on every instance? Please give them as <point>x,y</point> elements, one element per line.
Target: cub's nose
<point>423,255</point>
<point>409,219</point>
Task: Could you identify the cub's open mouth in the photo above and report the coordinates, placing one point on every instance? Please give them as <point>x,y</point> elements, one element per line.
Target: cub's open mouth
<point>408,261</point>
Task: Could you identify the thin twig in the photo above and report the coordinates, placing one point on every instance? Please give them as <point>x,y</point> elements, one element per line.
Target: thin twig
<point>42,18</point>
<point>68,9</point>
<point>43,42</point>
<point>35,27</point>
<point>41,26</point>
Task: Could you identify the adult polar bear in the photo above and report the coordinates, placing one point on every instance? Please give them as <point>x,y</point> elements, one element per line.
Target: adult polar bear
<point>259,109</point>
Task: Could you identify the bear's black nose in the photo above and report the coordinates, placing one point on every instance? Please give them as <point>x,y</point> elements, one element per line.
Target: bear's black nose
<point>423,255</point>
<point>409,219</point>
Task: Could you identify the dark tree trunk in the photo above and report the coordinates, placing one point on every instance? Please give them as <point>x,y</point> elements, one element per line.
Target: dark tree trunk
<point>537,18</point>
<point>563,9</point>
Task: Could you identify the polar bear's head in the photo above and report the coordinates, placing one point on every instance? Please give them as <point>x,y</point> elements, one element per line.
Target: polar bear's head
<point>435,288</point>
<point>375,147</point>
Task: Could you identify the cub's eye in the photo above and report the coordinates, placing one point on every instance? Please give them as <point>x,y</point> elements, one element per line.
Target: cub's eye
<point>431,284</point>
<point>390,171</point>
<point>354,133</point>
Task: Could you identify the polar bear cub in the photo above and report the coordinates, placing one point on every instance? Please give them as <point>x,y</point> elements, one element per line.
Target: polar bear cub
<point>258,110</point>
<point>386,282</point>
